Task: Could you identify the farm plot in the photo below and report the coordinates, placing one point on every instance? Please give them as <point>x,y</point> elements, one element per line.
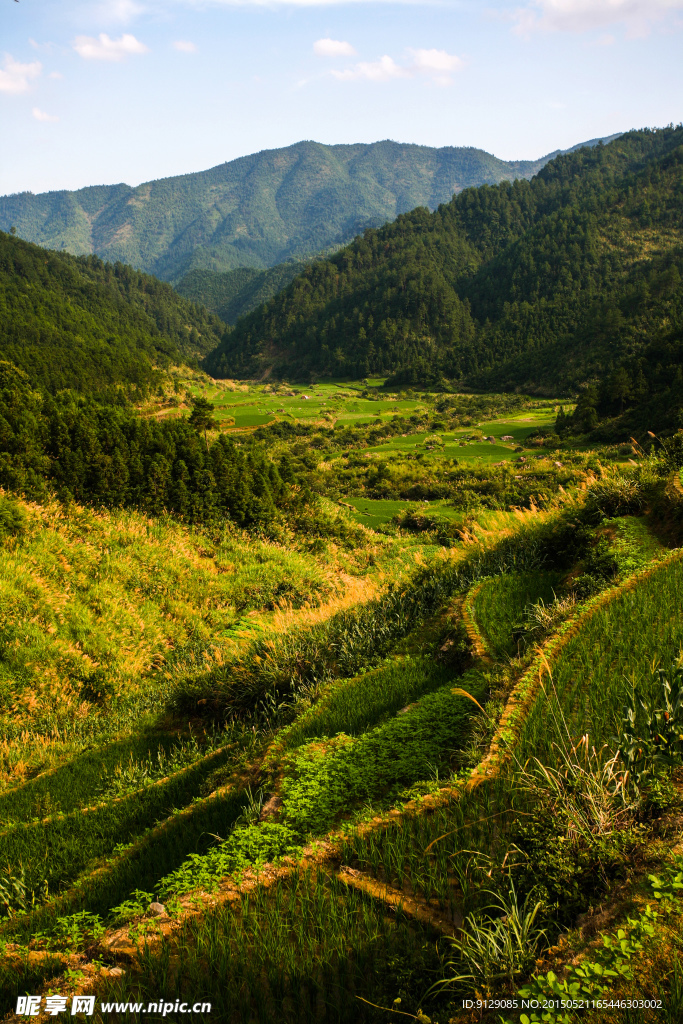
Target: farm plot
<point>259,404</point>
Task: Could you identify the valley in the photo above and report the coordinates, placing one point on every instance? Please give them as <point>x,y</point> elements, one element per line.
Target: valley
<point>341,651</point>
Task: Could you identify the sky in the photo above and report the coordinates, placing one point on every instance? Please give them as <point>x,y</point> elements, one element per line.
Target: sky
<point>131,90</point>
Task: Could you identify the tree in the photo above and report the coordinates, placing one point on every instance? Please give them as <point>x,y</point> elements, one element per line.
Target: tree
<point>201,416</point>
<point>620,387</point>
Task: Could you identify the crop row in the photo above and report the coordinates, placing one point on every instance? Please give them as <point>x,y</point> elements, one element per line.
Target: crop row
<point>305,950</point>
<point>57,850</point>
<point>452,847</point>
<point>271,671</point>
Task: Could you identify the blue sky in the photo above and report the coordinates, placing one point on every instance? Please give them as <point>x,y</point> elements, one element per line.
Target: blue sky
<point>130,90</point>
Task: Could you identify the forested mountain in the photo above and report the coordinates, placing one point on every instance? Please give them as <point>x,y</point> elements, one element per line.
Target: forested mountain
<point>76,322</point>
<point>572,279</point>
<point>80,339</point>
<point>236,292</point>
<point>257,211</point>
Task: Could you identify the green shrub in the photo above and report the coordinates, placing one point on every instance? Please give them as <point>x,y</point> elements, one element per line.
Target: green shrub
<point>671,453</point>
<point>615,496</point>
<point>12,518</point>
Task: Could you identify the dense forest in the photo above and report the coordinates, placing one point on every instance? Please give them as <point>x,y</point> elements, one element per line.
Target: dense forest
<point>80,341</point>
<point>110,456</point>
<point>76,322</point>
<point>236,292</point>
<point>570,282</point>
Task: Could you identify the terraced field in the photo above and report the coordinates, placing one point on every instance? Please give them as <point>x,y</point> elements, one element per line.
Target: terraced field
<point>313,860</point>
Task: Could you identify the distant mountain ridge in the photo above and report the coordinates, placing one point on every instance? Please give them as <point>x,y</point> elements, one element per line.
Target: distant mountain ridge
<point>256,211</point>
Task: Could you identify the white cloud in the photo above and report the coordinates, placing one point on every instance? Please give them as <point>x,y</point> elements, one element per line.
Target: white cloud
<point>586,15</point>
<point>184,46</point>
<point>55,74</point>
<point>436,64</point>
<point>15,77</point>
<point>381,70</point>
<point>304,3</point>
<point>104,48</point>
<point>40,115</point>
<point>333,48</point>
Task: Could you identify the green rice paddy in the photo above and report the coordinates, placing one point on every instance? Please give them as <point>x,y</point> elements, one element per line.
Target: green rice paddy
<point>327,403</point>
<point>500,603</point>
<point>342,404</point>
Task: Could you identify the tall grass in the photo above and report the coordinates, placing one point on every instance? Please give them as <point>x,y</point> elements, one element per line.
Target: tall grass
<point>444,856</point>
<point>449,854</point>
<point>139,867</point>
<point>499,606</point>
<point>100,607</point>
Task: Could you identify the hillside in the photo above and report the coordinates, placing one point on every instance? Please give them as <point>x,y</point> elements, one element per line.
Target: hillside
<point>543,286</point>
<point>236,292</point>
<point>323,808</point>
<point>257,211</point>
<point>83,324</point>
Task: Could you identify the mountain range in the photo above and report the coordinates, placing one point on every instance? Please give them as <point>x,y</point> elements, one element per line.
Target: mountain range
<point>258,211</point>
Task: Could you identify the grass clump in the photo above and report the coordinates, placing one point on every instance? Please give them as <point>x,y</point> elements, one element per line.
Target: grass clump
<point>497,945</point>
